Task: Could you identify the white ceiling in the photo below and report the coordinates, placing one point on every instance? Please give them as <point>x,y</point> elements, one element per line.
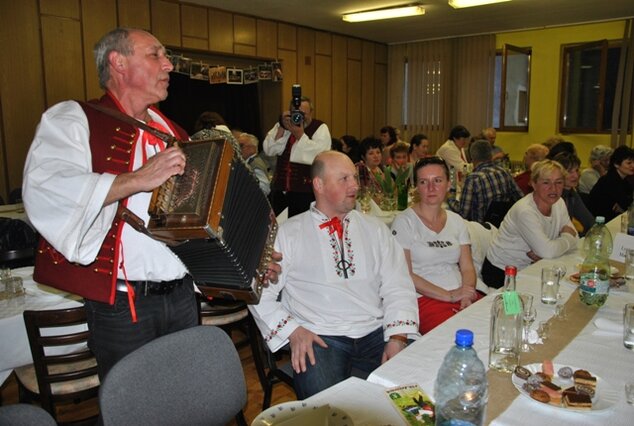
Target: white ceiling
<point>439,21</point>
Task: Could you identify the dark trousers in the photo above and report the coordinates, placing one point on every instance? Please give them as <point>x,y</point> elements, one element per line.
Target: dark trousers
<point>492,275</point>
<point>113,335</point>
<point>297,202</point>
<point>334,363</point>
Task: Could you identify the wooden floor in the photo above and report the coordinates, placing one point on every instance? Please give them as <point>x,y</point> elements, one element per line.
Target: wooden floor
<point>281,393</point>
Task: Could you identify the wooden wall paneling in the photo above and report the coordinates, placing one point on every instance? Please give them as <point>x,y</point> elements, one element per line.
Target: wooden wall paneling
<point>266,38</point>
<point>339,86</point>
<point>367,88</point>
<point>166,22</point>
<point>220,31</point>
<point>380,97</point>
<point>21,87</point>
<point>306,61</point>
<point>289,69</point>
<point>244,31</point>
<point>323,43</point>
<point>65,8</point>
<point>354,48</point>
<point>98,17</point>
<point>354,97</point>
<point>286,36</point>
<point>194,21</point>
<point>380,53</point>
<point>323,89</point>
<point>134,14</point>
<point>195,43</point>
<point>244,49</point>
<point>63,59</point>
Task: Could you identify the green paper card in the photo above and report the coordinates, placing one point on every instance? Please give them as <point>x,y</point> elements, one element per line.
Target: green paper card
<point>512,303</point>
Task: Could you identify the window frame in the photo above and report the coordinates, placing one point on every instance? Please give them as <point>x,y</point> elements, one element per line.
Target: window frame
<point>528,51</point>
<point>566,51</point>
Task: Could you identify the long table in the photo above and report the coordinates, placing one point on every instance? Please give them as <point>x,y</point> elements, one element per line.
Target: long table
<point>14,343</point>
<point>601,353</point>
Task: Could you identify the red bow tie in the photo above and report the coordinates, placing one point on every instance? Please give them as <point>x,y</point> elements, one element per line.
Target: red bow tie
<point>334,225</point>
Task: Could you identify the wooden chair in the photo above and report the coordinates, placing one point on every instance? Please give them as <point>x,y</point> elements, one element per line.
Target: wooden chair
<point>271,370</point>
<point>58,374</point>
<point>229,315</point>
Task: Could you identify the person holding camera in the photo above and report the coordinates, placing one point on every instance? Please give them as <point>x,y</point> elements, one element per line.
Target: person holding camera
<point>296,139</point>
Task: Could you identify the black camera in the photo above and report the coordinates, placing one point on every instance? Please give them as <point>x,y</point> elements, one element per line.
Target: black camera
<point>297,115</point>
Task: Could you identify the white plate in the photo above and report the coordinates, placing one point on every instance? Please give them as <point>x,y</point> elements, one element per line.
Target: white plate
<point>604,398</point>
<point>288,410</point>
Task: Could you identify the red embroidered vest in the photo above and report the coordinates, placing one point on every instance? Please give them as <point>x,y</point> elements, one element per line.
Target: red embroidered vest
<point>111,146</point>
<point>290,176</point>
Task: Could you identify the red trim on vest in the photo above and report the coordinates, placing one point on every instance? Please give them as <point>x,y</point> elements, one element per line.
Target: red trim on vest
<point>112,148</point>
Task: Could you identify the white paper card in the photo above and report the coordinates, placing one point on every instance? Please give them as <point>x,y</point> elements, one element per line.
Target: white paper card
<point>621,243</point>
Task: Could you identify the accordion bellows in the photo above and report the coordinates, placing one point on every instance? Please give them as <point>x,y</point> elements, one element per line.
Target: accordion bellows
<point>216,220</point>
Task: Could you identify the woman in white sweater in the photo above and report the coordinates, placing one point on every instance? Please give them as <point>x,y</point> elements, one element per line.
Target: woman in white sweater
<point>536,227</point>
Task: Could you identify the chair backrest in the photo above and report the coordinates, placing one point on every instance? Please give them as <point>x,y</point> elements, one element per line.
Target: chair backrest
<point>65,368</point>
<point>25,415</point>
<point>192,377</point>
<point>496,212</point>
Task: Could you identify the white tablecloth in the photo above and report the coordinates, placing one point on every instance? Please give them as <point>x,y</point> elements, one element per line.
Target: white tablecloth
<point>14,343</point>
<point>604,356</point>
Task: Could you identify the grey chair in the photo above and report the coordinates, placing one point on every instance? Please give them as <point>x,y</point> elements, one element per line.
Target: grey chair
<point>25,415</point>
<point>191,377</point>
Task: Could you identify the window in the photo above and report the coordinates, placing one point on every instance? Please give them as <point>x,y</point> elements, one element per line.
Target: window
<point>589,76</point>
<point>511,90</point>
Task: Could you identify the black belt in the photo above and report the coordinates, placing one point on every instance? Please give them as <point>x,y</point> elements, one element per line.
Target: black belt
<point>152,287</point>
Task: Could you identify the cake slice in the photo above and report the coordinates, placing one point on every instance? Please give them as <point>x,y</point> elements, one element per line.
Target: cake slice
<point>583,377</point>
<point>579,401</point>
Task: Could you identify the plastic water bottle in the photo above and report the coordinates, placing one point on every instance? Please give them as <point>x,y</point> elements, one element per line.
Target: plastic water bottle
<point>461,385</point>
<point>594,274</point>
<point>598,234</point>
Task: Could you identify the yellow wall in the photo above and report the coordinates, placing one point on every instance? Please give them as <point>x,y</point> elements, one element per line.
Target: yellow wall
<point>545,84</point>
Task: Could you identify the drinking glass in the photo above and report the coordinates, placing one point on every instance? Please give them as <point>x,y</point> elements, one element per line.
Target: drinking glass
<point>529,314</point>
<point>628,326</point>
<point>629,265</point>
<point>543,331</point>
<point>363,196</point>
<point>550,285</point>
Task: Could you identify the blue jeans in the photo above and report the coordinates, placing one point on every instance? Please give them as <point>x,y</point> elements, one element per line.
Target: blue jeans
<point>113,335</point>
<point>334,363</point>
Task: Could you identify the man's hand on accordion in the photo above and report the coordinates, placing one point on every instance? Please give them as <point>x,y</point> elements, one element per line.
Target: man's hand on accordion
<point>152,174</point>
<point>274,269</point>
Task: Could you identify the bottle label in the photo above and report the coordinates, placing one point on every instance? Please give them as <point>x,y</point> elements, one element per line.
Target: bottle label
<point>591,283</point>
<point>512,303</point>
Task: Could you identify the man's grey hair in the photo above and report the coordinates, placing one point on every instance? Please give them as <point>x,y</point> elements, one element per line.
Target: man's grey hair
<point>251,139</point>
<point>116,40</point>
<point>481,151</point>
<point>600,152</point>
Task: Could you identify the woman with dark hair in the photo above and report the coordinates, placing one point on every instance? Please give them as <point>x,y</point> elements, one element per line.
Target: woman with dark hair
<point>370,164</point>
<point>418,148</point>
<point>559,147</point>
<point>351,147</point>
<point>437,248</point>
<point>388,138</point>
<point>452,151</point>
<point>612,194</point>
<point>580,216</point>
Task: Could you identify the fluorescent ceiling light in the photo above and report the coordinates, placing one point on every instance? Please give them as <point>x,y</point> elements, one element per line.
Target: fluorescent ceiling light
<point>387,13</point>
<point>459,4</point>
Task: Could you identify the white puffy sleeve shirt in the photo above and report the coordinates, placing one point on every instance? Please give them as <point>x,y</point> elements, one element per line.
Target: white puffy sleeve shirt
<point>64,198</point>
<point>315,294</point>
<point>304,150</point>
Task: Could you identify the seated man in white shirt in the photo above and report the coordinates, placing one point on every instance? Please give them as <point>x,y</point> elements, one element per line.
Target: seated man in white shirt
<point>348,300</point>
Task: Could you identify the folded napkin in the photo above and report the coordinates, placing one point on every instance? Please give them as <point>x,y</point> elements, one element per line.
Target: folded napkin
<point>607,327</point>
